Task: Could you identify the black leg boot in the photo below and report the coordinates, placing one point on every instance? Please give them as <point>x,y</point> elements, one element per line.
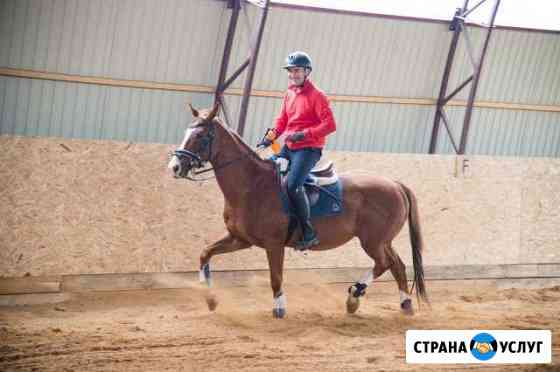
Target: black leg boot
<point>302,209</point>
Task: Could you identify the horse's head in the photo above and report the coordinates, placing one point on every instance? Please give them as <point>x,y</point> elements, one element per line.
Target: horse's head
<point>196,148</point>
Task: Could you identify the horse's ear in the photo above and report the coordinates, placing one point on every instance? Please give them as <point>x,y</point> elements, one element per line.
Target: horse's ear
<point>194,111</point>
<point>214,112</point>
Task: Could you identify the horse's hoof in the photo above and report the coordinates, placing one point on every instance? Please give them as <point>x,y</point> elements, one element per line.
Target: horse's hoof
<point>406,307</point>
<point>352,303</point>
<point>278,313</point>
<point>211,302</point>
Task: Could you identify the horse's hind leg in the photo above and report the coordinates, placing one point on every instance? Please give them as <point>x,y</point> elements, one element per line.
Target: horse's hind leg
<point>228,243</point>
<point>398,269</point>
<point>376,250</point>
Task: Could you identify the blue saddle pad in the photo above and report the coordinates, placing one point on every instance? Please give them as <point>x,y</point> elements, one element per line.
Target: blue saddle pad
<point>323,200</point>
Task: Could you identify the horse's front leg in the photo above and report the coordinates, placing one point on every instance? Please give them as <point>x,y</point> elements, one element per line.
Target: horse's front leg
<point>227,244</point>
<point>276,265</point>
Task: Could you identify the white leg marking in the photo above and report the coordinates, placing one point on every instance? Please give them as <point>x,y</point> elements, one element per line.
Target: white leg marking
<point>368,278</point>
<point>404,296</point>
<point>280,302</point>
<point>204,275</point>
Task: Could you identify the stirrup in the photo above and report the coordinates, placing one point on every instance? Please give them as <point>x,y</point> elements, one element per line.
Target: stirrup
<point>304,245</point>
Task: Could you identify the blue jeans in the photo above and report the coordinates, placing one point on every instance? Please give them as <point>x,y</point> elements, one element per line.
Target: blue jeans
<point>301,163</point>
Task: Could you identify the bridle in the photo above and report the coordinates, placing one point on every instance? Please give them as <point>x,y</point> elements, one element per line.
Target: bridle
<point>196,158</point>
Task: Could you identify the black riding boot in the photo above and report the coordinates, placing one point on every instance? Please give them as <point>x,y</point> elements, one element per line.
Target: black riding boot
<point>302,209</point>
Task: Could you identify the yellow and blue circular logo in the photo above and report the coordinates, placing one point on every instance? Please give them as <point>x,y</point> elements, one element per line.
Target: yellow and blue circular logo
<point>483,346</point>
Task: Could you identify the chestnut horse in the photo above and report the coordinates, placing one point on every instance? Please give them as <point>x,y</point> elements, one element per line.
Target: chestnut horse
<point>374,210</point>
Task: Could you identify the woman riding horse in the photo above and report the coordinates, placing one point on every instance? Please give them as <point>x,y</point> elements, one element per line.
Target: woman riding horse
<point>307,119</point>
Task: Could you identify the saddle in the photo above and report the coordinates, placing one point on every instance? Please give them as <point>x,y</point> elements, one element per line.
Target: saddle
<point>324,174</point>
<point>321,175</point>
<point>322,186</point>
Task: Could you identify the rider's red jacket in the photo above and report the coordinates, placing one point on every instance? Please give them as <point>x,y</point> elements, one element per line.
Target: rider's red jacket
<point>306,109</point>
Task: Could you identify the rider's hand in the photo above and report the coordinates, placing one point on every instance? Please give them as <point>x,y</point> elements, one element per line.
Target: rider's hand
<point>271,135</point>
<point>268,138</point>
<point>296,137</point>
<point>265,143</point>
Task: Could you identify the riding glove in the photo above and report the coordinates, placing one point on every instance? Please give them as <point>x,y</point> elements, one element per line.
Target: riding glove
<point>296,137</point>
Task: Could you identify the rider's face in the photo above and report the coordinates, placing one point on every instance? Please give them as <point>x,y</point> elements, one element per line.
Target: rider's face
<point>296,75</point>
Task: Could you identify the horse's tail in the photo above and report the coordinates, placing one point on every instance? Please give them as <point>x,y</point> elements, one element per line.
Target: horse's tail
<point>417,244</point>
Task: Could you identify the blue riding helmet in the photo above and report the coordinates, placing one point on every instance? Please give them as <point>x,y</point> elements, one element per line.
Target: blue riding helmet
<point>298,59</point>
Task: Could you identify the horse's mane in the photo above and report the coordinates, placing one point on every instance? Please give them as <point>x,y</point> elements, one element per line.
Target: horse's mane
<point>239,140</point>
<point>203,113</point>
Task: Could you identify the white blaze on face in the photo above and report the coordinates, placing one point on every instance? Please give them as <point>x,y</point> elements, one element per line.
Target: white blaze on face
<point>188,133</point>
<point>174,160</point>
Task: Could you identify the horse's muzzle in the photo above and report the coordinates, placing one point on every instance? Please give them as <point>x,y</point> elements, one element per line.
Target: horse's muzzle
<point>180,168</point>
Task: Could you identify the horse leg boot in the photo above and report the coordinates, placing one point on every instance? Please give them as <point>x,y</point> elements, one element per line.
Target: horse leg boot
<point>303,213</point>
<point>356,291</point>
<point>375,250</point>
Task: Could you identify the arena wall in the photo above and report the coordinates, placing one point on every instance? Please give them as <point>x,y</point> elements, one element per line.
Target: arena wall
<point>93,207</point>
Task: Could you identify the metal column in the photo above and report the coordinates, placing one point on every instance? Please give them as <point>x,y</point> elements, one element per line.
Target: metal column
<point>250,62</point>
<point>458,25</point>
<point>235,6</point>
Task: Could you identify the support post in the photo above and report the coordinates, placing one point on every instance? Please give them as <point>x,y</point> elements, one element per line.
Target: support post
<point>476,79</point>
<point>250,62</point>
<point>218,95</point>
<point>255,47</point>
<point>457,26</point>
